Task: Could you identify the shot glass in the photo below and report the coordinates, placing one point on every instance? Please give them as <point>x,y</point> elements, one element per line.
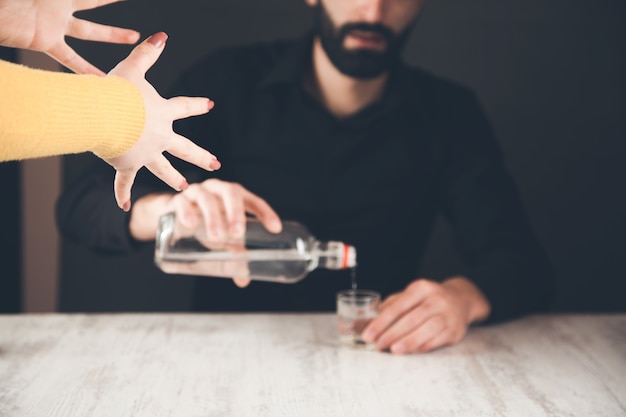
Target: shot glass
<point>355,309</point>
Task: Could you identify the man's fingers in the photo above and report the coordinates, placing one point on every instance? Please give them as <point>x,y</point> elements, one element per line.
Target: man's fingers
<point>388,301</point>
<point>431,328</point>
<point>90,31</point>
<point>406,301</point>
<point>232,197</point>
<point>404,325</point>
<point>183,107</point>
<point>162,169</point>
<point>65,55</point>
<point>264,212</point>
<point>442,339</point>
<point>211,207</point>
<point>122,185</point>
<point>187,211</point>
<point>185,149</point>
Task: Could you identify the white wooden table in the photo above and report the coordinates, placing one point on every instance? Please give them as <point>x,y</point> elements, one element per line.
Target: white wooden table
<point>251,365</point>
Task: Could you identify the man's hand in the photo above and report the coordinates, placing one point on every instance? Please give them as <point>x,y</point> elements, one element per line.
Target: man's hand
<point>42,25</point>
<point>219,206</point>
<point>427,315</point>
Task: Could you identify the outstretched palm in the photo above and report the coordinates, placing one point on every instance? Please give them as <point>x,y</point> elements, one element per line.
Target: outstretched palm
<point>42,25</point>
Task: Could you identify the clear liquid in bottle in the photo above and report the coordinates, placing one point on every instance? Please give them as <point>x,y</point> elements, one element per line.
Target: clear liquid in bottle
<point>285,257</point>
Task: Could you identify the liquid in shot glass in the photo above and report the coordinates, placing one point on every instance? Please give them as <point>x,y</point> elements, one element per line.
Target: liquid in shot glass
<point>355,309</point>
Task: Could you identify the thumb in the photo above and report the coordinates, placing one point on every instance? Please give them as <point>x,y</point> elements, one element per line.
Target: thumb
<point>144,55</point>
<point>122,185</point>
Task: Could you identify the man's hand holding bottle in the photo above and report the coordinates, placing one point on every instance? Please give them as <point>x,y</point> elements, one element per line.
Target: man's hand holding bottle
<point>220,206</point>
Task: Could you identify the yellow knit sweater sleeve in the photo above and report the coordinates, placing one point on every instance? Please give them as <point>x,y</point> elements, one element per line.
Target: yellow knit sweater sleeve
<point>45,113</point>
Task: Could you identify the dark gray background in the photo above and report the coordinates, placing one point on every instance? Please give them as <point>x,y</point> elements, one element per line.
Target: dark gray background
<point>549,73</point>
<point>10,238</point>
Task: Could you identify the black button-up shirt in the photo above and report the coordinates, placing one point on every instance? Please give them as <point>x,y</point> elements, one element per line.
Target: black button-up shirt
<point>376,180</point>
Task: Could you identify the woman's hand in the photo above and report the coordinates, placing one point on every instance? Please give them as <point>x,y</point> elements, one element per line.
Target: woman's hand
<point>158,135</point>
<point>42,25</point>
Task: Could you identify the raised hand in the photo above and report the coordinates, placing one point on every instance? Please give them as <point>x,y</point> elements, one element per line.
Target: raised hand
<point>42,25</point>
<point>158,135</point>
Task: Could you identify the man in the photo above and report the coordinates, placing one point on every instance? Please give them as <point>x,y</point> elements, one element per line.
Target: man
<point>334,131</point>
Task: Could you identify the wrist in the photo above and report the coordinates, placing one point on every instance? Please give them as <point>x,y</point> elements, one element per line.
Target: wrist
<point>145,213</point>
<point>475,304</point>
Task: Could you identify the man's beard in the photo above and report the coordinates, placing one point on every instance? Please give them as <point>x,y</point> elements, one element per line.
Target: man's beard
<point>358,63</point>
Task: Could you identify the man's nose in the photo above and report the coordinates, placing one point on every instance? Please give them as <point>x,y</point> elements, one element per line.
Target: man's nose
<point>371,11</point>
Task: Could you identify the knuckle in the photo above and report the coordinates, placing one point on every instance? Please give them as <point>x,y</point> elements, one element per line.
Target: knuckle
<point>431,304</point>
<point>436,301</point>
<point>236,188</point>
<point>211,182</point>
<point>439,322</point>
<point>414,287</point>
<point>420,286</point>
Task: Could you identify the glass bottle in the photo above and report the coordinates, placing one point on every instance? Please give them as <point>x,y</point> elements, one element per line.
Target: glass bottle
<point>285,257</point>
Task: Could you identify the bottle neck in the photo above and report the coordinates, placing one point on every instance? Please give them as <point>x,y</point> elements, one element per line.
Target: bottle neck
<point>336,255</point>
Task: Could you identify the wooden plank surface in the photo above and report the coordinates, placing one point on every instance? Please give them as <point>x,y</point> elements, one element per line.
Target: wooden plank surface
<point>275,365</point>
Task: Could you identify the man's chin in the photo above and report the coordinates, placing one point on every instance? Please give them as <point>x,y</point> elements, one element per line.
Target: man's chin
<point>361,73</point>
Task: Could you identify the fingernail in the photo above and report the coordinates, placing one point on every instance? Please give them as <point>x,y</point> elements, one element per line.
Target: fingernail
<point>398,348</point>
<point>215,164</point>
<point>126,206</point>
<point>367,336</point>
<point>158,39</point>
<point>183,185</point>
<point>381,346</point>
<point>276,225</point>
<point>211,104</point>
